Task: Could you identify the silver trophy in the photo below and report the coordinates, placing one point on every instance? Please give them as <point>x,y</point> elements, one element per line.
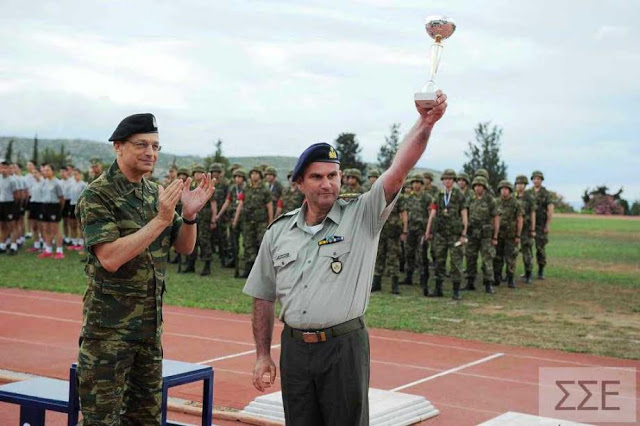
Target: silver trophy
<point>439,28</point>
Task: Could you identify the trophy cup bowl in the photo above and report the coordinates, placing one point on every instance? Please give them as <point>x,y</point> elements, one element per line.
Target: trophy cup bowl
<point>439,28</point>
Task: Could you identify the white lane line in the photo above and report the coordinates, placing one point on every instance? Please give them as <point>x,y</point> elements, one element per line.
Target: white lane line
<point>20,314</point>
<point>31,342</point>
<point>452,370</point>
<point>208,361</point>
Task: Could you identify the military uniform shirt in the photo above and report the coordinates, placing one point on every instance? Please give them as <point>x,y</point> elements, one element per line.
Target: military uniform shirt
<point>8,186</point>
<point>528,203</point>
<point>319,286</point>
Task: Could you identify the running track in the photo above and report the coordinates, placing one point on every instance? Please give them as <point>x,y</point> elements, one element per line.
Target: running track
<point>469,382</point>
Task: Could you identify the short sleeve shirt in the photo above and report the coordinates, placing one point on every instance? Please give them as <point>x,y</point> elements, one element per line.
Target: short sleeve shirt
<point>51,191</point>
<point>8,185</point>
<point>324,279</point>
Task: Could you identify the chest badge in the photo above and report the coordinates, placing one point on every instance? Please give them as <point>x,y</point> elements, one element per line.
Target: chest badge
<point>336,266</point>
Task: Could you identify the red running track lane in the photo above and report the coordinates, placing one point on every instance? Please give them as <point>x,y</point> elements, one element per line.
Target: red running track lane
<point>39,335</point>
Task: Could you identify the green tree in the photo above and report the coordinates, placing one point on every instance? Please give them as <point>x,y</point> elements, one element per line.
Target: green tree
<point>34,155</point>
<point>390,147</point>
<point>484,153</point>
<point>635,208</point>
<point>349,152</point>
<point>8,154</point>
<point>217,157</point>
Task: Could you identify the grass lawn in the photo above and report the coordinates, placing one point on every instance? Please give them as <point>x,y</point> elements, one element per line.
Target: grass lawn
<point>590,301</point>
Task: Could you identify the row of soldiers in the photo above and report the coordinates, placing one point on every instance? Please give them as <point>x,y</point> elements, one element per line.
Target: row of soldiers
<point>464,222</point>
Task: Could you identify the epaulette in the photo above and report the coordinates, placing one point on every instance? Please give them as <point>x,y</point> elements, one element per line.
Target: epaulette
<point>287,214</point>
<point>349,196</point>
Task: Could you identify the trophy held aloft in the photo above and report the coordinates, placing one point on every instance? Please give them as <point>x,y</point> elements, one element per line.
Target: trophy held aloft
<point>439,28</point>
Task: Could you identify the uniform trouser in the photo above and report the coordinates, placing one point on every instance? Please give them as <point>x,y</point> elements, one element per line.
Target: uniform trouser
<point>541,243</point>
<point>443,244</point>
<point>120,382</point>
<point>389,252</point>
<point>326,383</point>
<point>252,232</point>
<point>483,247</point>
<point>203,239</point>
<point>506,252</point>
<point>413,251</point>
<point>219,237</point>
<point>526,247</point>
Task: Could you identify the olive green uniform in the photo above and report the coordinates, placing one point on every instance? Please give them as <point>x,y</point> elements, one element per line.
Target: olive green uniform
<point>389,251</point>
<point>482,212</point>
<point>417,205</point>
<point>220,235</point>
<point>528,203</point>
<point>254,219</point>
<point>542,198</point>
<point>120,359</point>
<point>507,250</point>
<point>291,200</point>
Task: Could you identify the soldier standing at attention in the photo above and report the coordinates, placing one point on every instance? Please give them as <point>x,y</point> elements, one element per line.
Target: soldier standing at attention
<point>129,223</point>
<point>291,198</point>
<point>528,203</point>
<point>447,227</point>
<point>464,185</point>
<point>220,228</point>
<point>389,252</point>
<point>416,204</point>
<point>257,212</point>
<point>544,215</point>
<point>484,224</point>
<point>429,187</point>
<point>235,195</point>
<point>511,214</point>
<point>203,235</point>
<point>9,192</point>
<point>183,174</point>
<point>318,262</point>
<point>275,187</point>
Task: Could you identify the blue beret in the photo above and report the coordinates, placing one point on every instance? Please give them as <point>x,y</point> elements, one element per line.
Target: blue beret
<point>136,123</point>
<point>318,152</point>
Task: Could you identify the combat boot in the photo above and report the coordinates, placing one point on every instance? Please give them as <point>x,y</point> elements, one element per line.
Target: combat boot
<point>395,288</point>
<point>438,291</point>
<point>471,285</point>
<point>527,277</point>
<point>456,291</point>
<point>541,272</point>
<point>207,269</point>
<point>496,279</point>
<point>247,270</point>
<point>191,266</point>
<point>377,283</point>
<point>510,281</point>
<point>488,288</point>
<point>409,278</point>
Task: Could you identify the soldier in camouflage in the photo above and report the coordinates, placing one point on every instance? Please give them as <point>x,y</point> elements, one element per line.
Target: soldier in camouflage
<point>128,224</point>
<point>464,185</point>
<point>372,177</point>
<point>389,252</point>
<point>275,186</point>
<point>291,199</point>
<point>484,224</point>
<point>447,227</point>
<point>511,221</point>
<point>219,228</point>
<point>528,203</point>
<point>228,213</point>
<point>416,205</point>
<point>545,203</point>
<point>353,188</point>
<point>406,190</point>
<point>183,174</point>
<point>485,174</point>
<point>433,191</point>
<point>256,210</point>
<point>203,241</point>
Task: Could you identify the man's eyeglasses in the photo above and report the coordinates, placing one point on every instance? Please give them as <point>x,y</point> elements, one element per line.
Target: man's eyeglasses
<point>142,146</point>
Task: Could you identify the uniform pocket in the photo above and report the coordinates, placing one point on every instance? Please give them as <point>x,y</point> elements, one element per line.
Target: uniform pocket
<point>122,303</point>
<point>333,259</point>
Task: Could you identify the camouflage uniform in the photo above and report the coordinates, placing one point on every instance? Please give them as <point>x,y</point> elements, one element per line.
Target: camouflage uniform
<point>417,205</point>
<point>254,220</point>
<point>433,191</point>
<point>120,359</point>
<point>276,187</point>
<point>447,231</point>
<point>233,196</point>
<point>485,174</point>
<point>482,212</point>
<point>507,249</point>
<point>348,192</point>
<point>528,203</point>
<point>291,200</point>
<point>389,252</point>
<point>372,173</point>
<point>203,239</point>
<point>468,191</point>
<point>220,235</point>
<point>543,198</point>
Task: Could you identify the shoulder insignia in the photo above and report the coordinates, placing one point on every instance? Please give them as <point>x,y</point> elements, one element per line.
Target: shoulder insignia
<point>282,216</point>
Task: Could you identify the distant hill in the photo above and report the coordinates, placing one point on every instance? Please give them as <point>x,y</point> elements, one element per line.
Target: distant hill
<point>82,151</point>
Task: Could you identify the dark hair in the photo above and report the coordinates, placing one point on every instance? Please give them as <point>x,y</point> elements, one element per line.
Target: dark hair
<point>50,166</point>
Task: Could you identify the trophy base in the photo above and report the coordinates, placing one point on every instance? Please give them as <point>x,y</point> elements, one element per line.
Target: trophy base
<point>425,99</point>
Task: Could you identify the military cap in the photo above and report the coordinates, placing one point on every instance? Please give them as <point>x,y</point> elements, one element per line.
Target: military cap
<point>240,172</point>
<point>480,180</point>
<point>235,166</point>
<point>505,183</point>
<point>263,167</point>
<point>537,173</point>
<point>184,171</point>
<point>318,152</point>
<point>373,173</point>
<point>522,179</point>
<point>257,169</point>
<point>428,175</point>
<point>136,123</point>
<point>448,174</point>
<point>215,167</point>
<point>198,168</point>
<point>270,171</point>
<point>464,176</point>
<point>356,174</point>
<point>95,161</point>
<point>482,172</point>
<point>417,178</point>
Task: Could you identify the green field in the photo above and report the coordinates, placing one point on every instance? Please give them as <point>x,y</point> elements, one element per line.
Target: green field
<point>590,301</point>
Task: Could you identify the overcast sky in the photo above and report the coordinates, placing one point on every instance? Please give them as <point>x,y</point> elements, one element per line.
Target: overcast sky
<point>271,77</point>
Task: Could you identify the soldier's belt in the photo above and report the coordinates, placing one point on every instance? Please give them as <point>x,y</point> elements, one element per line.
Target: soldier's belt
<point>322,335</point>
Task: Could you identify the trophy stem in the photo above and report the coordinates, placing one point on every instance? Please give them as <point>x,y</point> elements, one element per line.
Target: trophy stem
<point>436,55</point>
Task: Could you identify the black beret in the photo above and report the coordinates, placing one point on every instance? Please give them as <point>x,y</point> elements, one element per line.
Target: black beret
<point>318,152</point>
<point>136,123</point>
